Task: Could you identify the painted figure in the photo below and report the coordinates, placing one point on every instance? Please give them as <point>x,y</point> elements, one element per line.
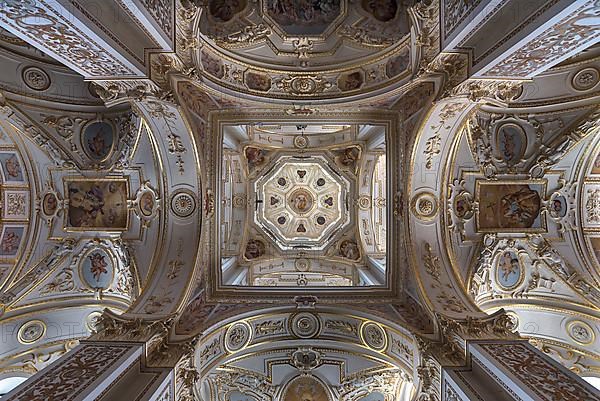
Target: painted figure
<point>97,140</point>
<point>10,243</point>
<point>97,204</point>
<point>509,269</point>
<point>98,265</point>
<point>520,208</point>
<point>254,249</point>
<point>349,250</point>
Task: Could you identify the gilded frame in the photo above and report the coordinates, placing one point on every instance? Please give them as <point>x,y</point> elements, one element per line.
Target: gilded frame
<point>218,292</point>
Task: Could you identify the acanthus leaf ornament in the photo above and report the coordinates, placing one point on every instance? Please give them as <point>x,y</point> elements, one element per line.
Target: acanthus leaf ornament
<point>304,84</point>
<point>248,35</point>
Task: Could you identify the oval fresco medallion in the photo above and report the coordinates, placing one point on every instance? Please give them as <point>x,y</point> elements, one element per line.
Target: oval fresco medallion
<point>49,204</point>
<point>147,204</point>
<point>558,206</point>
<point>304,388</point>
<point>97,269</point>
<point>511,142</point>
<point>509,273</point>
<point>97,140</point>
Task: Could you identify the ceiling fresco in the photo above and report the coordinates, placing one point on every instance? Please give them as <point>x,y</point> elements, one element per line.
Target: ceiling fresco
<point>294,197</point>
<point>286,49</point>
<point>302,202</point>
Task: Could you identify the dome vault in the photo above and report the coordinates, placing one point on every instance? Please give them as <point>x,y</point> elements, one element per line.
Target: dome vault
<point>302,202</point>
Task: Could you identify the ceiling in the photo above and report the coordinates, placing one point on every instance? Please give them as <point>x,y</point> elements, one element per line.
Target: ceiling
<point>307,187</point>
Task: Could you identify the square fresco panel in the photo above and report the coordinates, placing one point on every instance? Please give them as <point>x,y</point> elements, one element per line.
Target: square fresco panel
<point>97,204</point>
<point>11,240</point>
<point>11,167</point>
<point>511,206</point>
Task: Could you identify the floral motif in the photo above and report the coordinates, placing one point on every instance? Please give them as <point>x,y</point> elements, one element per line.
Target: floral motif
<point>55,33</point>
<point>550,46</point>
<point>76,371</point>
<point>546,380</point>
<point>304,85</point>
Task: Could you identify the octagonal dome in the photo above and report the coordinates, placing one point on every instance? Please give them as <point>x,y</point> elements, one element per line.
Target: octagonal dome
<point>302,202</point>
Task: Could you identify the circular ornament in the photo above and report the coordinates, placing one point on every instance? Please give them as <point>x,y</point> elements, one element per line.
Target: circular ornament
<point>31,331</point>
<point>183,204</point>
<point>91,320</point>
<point>513,323</point>
<point>364,202</point>
<point>300,141</point>
<point>301,200</point>
<point>585,79</point>
<point>305,325</point>
<point>303,85</point>
<point>424,206</point>
<point>373,336</point>
<point>237,336</point>
<point>239,201</point>
<point>36,78</point>
<point>302,265</point>
<point>581,332</point>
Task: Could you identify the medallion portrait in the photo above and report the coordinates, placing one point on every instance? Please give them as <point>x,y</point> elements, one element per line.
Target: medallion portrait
<point>97,204</point>
<point>97,269</point>
<point>97,140</point>
<point>147,203</point>
<point>508,270</point>
<point>509,207</point>
<point>558,206</point>
<point>11,167</point>
<point>511,142</point>
<point>301,200</point>
<point>49,204</point>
